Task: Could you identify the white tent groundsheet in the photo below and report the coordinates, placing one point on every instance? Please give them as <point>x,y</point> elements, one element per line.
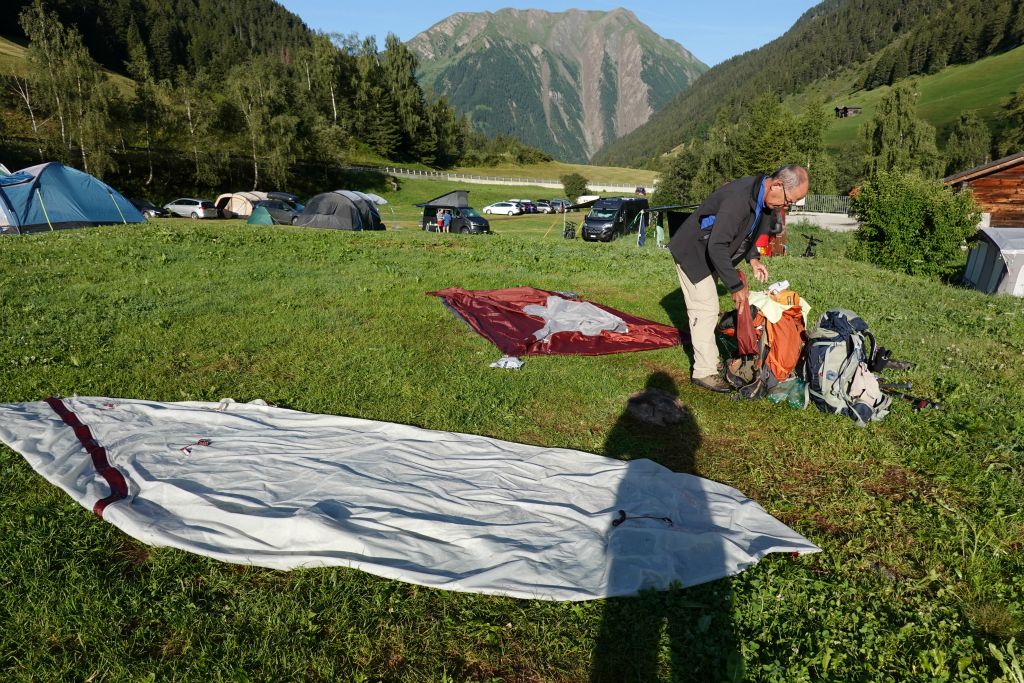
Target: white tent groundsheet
<point>253,484</point>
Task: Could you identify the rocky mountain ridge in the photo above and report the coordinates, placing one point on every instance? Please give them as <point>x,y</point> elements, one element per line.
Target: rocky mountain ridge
<point>567,82</point>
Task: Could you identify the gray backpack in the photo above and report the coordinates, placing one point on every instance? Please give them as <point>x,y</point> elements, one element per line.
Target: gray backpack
<point>836,368</point>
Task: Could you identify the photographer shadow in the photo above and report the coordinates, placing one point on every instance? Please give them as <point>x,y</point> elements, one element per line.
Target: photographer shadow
<point>675,634</point>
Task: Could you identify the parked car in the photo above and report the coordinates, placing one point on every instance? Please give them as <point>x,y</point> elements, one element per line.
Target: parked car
<point>560,205</point>
<point>507,208</point>
<point>192,208</point>
<point>544,206</point>
<point>611,217</point>
<point>148,209</point>
<point>287,198</point>
<point>283,213</point>
<point>526,205</point>
<point>465,219</point>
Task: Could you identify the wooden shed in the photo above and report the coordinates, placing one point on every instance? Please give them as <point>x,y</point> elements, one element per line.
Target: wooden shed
<point>999,188</point>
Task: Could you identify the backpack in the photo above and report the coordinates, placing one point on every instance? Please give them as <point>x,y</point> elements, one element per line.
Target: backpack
<point>749,373</point>
<point>837,372</point>
<point>778,350</point>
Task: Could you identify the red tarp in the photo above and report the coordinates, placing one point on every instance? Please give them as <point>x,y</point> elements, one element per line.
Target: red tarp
<point>497,315</point>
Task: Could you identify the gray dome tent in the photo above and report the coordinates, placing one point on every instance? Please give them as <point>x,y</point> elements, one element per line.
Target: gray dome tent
<point>341,210</point>
<point>996,262</point>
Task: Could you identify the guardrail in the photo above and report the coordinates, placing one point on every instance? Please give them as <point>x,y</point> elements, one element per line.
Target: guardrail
<point>500,180</point>
<point>825,203</point>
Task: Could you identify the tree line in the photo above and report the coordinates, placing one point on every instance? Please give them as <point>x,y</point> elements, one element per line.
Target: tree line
<point>829,40</point>
<point>330,99</point>
<point>961,33</point>
<point>895,140</point>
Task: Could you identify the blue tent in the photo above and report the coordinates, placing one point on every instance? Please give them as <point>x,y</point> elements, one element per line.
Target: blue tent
<point>52,196</point>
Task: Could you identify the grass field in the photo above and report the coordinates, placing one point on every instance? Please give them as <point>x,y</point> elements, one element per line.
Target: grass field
<point>982,86</point>
<point>554,170</point>
<point>13,58</point>
<point>920,577</point>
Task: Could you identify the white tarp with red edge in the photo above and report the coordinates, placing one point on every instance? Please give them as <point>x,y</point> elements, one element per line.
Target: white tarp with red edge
<point>253,484</point>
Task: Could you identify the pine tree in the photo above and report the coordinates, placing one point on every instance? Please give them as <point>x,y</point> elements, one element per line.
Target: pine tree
<point>399,66</point>
<point>968,145</point>
<point>900,65</point>
<point>1012,119</point>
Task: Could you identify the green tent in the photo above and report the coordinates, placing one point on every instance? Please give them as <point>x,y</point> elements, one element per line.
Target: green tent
<point>260,216</point>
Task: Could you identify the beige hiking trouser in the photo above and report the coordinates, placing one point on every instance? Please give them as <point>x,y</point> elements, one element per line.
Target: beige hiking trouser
<point>703,311</point>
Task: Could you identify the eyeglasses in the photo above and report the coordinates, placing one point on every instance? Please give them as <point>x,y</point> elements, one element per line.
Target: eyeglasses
<point>788,204</point>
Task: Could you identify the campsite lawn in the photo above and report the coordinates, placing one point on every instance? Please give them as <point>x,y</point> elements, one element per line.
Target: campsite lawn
<point>918,517</point>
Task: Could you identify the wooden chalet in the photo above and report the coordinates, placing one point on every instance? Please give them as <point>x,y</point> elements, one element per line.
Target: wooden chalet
<point>999,188</point>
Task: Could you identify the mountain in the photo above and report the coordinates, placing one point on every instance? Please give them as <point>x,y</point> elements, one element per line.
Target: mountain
<point>832,39</point>
<point>567,82</point>
<point>209,34</point>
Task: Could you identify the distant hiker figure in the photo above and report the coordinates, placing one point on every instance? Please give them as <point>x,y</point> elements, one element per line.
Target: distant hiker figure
<point>440,220</point>
<point>446,219</point>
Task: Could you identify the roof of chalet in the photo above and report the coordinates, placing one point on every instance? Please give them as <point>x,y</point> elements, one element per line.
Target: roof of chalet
<point>985,169</point>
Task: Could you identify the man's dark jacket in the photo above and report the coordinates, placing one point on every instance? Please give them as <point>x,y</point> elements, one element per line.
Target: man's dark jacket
<point>718,248</point>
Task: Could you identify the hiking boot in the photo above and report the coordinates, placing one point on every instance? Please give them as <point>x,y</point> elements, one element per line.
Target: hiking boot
<point>713,383</point>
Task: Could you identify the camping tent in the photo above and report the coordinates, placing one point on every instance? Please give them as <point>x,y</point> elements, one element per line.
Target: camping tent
<point>341,210</point>
<point>996,262</point>
<point>260,216</point>
<point>457,199</point>
<point>52,196</point>
<point>238,204</point>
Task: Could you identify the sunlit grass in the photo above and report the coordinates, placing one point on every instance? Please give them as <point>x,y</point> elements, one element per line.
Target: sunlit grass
<point>918,516</point>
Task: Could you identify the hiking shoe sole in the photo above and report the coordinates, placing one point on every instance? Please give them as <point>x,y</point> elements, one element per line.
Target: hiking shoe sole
<point>712,383</point>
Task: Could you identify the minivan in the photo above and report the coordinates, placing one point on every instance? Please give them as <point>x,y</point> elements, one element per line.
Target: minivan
<point>464,219</point>
<point>611,217</point>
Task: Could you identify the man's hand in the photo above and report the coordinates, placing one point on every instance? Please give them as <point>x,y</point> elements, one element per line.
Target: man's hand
<point>740,298</point>
<point>760,272</point>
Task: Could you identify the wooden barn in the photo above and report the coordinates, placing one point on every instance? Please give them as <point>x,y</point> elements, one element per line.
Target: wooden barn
<point>999,188</point>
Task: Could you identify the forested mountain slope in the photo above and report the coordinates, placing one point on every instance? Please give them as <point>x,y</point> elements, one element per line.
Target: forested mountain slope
<point>885,39</point>
<point>213,34</point>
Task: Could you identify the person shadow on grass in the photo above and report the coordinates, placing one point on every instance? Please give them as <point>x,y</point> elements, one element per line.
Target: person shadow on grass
<point>679,634</point>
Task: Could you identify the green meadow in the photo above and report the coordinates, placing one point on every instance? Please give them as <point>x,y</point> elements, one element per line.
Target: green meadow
<point>920,577</point>
<point>982,86</point>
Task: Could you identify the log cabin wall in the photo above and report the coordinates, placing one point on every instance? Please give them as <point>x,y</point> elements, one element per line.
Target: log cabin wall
<point>1002,195</point>
<point>998,188</point>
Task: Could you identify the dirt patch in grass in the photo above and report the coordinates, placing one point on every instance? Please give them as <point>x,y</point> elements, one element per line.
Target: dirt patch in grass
<point>131,556</point>
<point>896,484</point>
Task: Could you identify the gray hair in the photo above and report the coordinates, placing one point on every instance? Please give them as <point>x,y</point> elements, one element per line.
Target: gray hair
<point>791,175</point>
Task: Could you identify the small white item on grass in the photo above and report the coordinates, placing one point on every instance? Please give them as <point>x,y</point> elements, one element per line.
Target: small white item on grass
<point>508,363</point>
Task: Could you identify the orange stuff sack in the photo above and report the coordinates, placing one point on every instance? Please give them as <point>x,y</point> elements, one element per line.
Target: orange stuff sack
<point>786,342</point>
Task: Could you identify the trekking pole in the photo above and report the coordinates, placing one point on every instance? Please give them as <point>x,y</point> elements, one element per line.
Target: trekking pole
<point>918,403</point>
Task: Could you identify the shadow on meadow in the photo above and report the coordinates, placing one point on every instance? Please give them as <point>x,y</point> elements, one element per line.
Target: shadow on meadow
<point>679,634</point>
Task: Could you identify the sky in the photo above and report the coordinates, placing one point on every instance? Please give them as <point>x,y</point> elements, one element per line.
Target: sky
<point>712,31</point>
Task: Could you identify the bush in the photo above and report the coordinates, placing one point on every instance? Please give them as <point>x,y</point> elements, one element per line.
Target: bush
<point>574,185</point>
<point>912,225</point>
